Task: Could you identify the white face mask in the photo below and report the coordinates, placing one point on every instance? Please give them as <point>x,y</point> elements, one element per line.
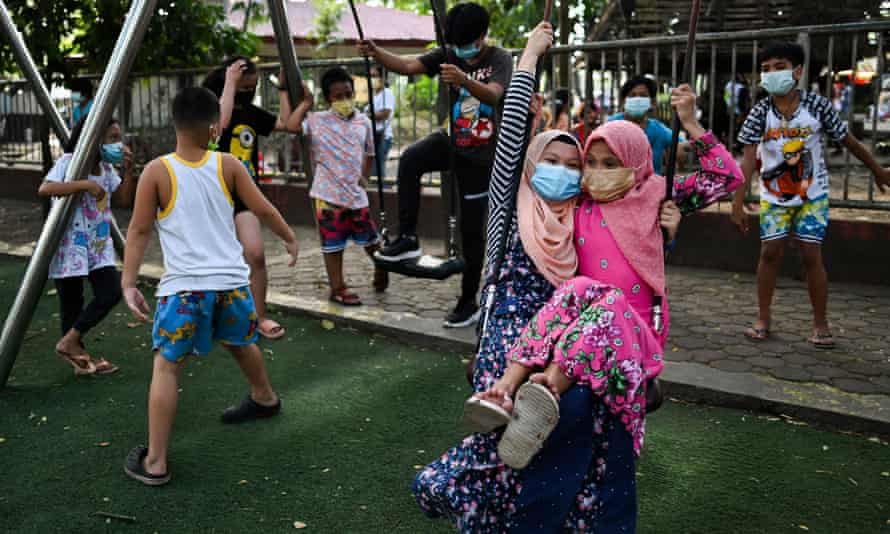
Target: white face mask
<point>779,82</point>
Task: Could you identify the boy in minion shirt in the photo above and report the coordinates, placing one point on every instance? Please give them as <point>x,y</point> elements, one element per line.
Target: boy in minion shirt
<point>342,147</point>
<point>786,132</point>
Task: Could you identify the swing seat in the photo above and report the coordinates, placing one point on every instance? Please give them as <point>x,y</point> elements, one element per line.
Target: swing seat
<point>426,266</point>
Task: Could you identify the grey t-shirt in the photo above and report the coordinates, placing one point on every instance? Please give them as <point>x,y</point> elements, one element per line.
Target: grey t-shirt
<point>474,123</point>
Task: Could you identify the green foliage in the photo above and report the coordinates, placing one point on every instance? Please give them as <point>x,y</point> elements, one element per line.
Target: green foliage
<point>182,33</point>
<point>422,93</point>
<point>327,22</point>
<point>44,25</point>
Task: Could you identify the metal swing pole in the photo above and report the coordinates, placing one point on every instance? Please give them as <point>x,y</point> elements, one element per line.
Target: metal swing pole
<point>455,190</point>
<point>44,100</point>
<point>293,76</point>
<point>501,250</point>
<point>120,63</point>
<point>657,311</point>
<point>378,164</point>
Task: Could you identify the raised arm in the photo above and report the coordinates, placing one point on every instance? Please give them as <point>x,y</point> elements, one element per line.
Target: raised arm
<point>513,134</point>
<point>402,64</point>
<point>718,175</point>
<point>227,99</point>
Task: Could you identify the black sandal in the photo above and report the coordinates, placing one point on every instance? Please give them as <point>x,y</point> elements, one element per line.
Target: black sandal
<point>135,469</point>
<point>249,410</point>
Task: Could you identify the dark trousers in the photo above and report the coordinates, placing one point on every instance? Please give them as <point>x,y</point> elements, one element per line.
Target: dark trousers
<point>106,284</point>
<point>432,154</point>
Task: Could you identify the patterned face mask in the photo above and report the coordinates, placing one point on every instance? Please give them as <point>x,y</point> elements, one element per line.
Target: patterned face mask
<point>607,185</point>
<point>344,108</point>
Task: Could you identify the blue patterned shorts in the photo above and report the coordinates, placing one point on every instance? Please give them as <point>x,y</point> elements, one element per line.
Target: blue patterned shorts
<point>189,322</point>
<point>808,221</point>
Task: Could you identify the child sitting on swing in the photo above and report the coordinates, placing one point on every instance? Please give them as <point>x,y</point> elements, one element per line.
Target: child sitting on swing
<point>342,148</point>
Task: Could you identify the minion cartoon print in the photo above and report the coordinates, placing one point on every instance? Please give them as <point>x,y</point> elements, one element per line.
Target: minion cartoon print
<point>473,121</point>
<point>792,177</point>
<point>244,139</point>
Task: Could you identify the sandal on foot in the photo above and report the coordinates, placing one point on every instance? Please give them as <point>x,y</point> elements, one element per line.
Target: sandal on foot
<point>82,363</point>
<point>135,468</point>
<point>105,367</point>
<point>757,334</point>
<point>276,332</point>
<point>822,340</point>
<point>484,416</point>
<point>535,415</point>
<point>381,280</point>
<point>344,297</point>
<point>249,410</point>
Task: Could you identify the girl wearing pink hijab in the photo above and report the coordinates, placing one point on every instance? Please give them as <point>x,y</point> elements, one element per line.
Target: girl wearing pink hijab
<point>597,328</point>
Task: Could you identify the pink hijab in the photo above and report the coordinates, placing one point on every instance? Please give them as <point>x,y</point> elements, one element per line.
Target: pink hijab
<point>546,228</point>
<point>633,219</point>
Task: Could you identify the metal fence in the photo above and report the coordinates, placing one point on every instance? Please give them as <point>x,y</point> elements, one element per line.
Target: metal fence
<point>845,62</point>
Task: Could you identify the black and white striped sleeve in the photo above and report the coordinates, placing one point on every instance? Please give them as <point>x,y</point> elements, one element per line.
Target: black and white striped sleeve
<point>832,125</point>
<point>752,129</point>
<point>506,160</point>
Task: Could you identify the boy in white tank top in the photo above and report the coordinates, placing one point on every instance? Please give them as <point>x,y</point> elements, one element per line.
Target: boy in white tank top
<point>204,295</point>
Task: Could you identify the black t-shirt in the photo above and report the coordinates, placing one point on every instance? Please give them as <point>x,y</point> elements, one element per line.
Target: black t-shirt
<point>240,139</point>
<point>474,123</point>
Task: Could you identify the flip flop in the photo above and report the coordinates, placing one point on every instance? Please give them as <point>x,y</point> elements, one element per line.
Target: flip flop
<point>484,416</point>
<point>822,340</point>
<point>105,367</point>
<point>757,334</point>
<point>249,410</point>
<point>135,469</point>
<point>535,415</point>
<point>276,332</point>
<point>344,297</point>
<point>82,363</point>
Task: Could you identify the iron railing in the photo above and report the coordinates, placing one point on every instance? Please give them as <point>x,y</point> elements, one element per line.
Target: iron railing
<point>596,72</point>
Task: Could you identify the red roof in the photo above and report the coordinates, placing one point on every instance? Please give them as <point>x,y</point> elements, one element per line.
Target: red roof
<point>379,23</point>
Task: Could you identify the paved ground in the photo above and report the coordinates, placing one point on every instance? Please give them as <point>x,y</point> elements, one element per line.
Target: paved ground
<point>710,310</point>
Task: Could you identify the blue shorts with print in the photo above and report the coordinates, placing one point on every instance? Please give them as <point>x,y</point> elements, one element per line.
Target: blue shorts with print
<point>808,222</point>
<point>189,322</point>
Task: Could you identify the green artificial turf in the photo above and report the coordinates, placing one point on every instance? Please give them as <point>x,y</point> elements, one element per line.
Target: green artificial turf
<point>361,414</point>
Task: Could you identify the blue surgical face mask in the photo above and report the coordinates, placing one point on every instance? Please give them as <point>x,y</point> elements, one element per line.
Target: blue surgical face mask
<point>556,182</point>
<point>467,51</point>
<point>778,82</point>
<point>637,106</point>
<point>113,153</point>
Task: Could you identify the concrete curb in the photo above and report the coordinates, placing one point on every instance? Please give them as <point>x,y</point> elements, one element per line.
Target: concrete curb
<point>811,402</point>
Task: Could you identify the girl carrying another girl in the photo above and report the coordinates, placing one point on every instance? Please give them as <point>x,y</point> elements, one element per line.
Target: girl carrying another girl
<point>583,479</point>
<point>86,251</point>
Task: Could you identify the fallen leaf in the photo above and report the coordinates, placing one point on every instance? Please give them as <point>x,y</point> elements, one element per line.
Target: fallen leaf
<point>2,440</point>
<point>104,443</point>
<point>327,325</point>
<point>52,292</point>
<point>853,481</point>
<point>821,472</point>
<point>363,507</point>
<point>106,499</point>
<point>418,467</point>
<point>242,482</point>
<point>326,470</point>
<point>824,447</point>
<point>268,351</point>
<point>803,527</point>
<point>883,473</point>
<point>299,525</point>
<point>132,325</point>
<point>675,349</point>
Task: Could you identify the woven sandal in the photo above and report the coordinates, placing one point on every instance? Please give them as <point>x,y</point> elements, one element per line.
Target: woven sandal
<point>484,416</point>
<point>535,415</point>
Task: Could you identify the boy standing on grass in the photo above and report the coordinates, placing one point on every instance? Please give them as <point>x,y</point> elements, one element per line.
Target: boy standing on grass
<point>204,294</point>
<point>788,128</point>
<point>342,151</point>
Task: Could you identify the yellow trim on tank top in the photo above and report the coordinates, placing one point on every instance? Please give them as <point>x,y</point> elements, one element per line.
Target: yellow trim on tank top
<point>193,164</point>
<point>222,179</point>
<point>166,211</point>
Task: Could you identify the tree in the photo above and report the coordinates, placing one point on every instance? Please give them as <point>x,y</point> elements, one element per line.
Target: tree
<point>327,21</point>
<point>182,33</point>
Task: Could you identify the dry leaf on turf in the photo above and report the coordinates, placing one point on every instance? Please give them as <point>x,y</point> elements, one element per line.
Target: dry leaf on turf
<point>327,325</point>
<point>104,443</point>
<point>133,325</point>
<point>883,473</point>
<point>803,527</point>
<point>242,482</point>
<point>299,524</point>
